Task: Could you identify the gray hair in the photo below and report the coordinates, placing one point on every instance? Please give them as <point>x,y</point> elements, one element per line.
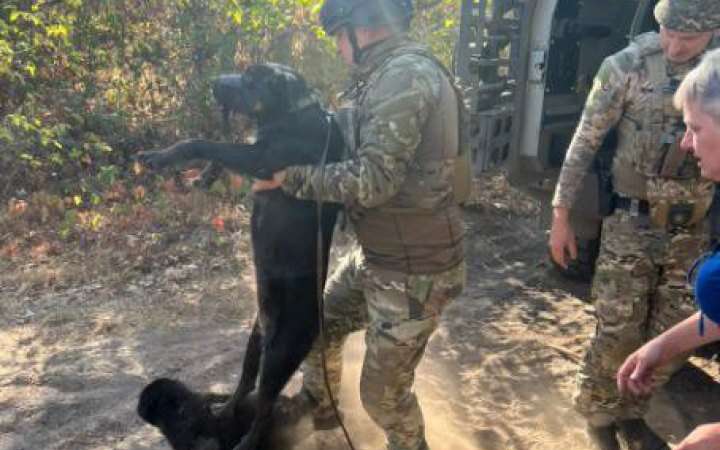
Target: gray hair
<point>702,86</point>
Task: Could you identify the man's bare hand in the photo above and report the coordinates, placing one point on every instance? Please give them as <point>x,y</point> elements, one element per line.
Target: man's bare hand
<point>704,437</point>
<point>562,238</point>
<point>264,185</point>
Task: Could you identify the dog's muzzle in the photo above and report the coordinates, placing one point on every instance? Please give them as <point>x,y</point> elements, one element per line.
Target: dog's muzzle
<point>227,90</point>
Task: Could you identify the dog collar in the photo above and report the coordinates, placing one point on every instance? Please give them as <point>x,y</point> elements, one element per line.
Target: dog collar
<point>305,102</point>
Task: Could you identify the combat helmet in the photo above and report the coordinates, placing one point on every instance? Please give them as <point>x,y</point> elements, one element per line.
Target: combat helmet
<point>691,16</point>
<point>335,14</point>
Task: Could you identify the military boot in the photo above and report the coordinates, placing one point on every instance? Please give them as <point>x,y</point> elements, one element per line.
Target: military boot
<point>604,437</point>
<point>635,434</point>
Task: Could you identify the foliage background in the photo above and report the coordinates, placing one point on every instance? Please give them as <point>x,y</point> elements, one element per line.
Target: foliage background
<point>86,83</point>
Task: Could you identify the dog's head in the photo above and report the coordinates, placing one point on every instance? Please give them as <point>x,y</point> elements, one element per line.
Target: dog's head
<point>181,415</point>
<point>263,90</point>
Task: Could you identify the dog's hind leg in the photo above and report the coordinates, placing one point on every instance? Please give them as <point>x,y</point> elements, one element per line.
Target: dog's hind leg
<point>286,344</point>
<point>251,362</point>
<point>251,366</point>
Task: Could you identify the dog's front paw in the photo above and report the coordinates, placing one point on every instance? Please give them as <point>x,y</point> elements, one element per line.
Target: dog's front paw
<point>156,159</point>
<point>175,154</point>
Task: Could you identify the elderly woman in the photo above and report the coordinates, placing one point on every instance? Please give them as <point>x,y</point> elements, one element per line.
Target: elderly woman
<point>699,98</point>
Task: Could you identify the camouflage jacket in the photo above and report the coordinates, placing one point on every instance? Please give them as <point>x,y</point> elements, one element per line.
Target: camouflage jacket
<point>623,96</point>
<point>397,182</point>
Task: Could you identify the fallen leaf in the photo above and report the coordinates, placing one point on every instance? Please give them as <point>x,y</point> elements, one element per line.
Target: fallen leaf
<point>116,192</point>
<point>236,182</point>
<point>10,250</point>
<point>219,224</point>
<point>139,192</point>
<point>16,207</point>
<point>137,168</point>
<point>169,185</point>
<point>41,251</point>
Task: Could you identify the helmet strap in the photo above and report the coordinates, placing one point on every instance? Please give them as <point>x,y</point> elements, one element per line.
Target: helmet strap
<point>352,37</point>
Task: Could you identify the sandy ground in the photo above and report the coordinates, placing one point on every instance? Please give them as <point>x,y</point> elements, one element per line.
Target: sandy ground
<point>498,374</point>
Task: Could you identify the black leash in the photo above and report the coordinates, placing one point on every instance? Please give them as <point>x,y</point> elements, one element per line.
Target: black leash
<point>320,285</point>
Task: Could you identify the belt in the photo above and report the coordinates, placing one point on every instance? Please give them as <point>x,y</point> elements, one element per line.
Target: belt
<point>633,205</point>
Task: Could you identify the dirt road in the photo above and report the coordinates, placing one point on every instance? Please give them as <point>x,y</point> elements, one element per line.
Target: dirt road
<point>498,373</point>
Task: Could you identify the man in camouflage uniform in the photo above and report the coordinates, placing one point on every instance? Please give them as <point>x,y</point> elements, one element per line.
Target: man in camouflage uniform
<point>657,230</point>
<point>397,186</point>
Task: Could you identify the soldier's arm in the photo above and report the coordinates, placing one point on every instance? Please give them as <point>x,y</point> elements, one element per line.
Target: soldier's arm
<point>603,109</point>
<point>398,106</point>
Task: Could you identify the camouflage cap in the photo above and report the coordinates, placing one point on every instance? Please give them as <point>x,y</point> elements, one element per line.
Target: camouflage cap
<point>691,16</point>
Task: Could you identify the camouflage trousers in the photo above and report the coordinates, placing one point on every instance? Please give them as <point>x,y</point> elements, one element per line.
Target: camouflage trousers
<point>400,312</point>
<point>639,291</point>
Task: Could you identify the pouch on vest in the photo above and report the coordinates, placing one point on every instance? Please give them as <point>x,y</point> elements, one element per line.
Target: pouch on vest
<point>602,167</point>
<point>596,197</point>
<point>462,180</point>
<point>668,216</point>
<point>345,118</point>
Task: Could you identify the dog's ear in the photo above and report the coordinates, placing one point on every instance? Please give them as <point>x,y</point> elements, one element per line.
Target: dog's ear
<point>227,90</point>
<point>290,87</point>
<point>148,402</point>
<point>161,398</point>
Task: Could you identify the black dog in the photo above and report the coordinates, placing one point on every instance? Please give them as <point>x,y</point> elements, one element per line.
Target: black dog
<point>293,129</point>
<point>189,422</point>
<point>186,419</point>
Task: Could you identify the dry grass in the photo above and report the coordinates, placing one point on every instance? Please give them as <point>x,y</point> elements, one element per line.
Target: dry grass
<point>493,191</point>
<point>188,244</point>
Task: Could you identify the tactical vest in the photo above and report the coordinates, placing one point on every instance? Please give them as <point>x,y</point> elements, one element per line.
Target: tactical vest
<point>415,231</point>
<point>659,170</point>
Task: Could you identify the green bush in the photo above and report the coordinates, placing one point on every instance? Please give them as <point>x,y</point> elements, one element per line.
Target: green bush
<point>86,83</point>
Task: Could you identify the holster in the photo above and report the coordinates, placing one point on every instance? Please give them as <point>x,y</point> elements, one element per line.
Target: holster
<point>669,216</point>
<point>602,166</point>
<point>606,196</point>
<point>346,117</point>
